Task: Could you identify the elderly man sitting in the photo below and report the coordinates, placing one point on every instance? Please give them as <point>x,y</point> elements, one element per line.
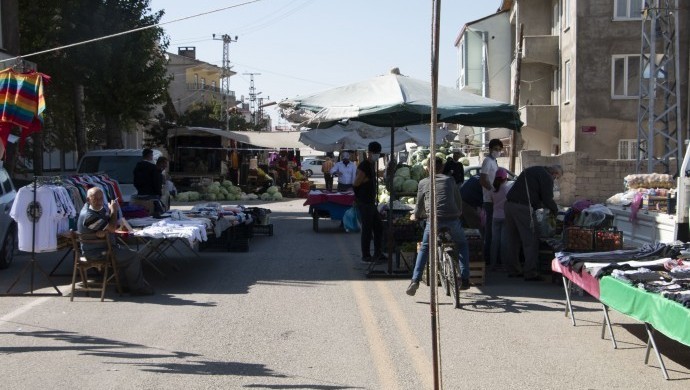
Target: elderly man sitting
<point>97,219</point>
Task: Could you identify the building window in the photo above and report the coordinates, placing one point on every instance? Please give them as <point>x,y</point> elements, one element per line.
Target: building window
<point>566,15</point>
<point>566,82</point>
<point>627,149</point>
<point>625,76</point>
<point>203,83</point>
<point>213,85</point>
<point>196,80</point>
<point>627,10</point>
<point>462,80</point>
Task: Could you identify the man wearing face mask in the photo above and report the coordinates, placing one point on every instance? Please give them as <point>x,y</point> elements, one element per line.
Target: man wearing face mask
<point>365,187</point>
<point>532,190</point>
<point>487,174</point>
<point>346,171</point>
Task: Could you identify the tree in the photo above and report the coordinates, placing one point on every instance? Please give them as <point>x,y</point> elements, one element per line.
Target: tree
<point>121,77</point>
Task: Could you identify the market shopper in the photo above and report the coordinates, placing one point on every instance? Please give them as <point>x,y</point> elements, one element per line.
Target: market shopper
<point>147,177</point>
<point>472,198</point>
<point>487,174</point>
<point>498,198</point>
<point>365,187</point>
<point>326,170</point>
<point>532,190</point>
<point>454,168</point>
<point>346,171</point>
<point>448,212</point>
<point>95,218</point>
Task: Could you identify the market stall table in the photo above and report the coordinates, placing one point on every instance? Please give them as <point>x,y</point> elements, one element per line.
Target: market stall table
<point>324,204</point>
<point>655,311</point>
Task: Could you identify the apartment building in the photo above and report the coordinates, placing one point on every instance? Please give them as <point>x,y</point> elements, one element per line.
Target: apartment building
<point>578,72</point>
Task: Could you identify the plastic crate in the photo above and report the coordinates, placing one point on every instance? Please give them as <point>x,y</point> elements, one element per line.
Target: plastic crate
<point>477,273</point>
<point>263,229</point>
<point>608,240</point>
<point>578,239</point>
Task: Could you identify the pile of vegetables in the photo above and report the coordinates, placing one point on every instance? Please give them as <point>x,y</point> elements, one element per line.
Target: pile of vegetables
<point>272,193</point>
<point>225,190</point>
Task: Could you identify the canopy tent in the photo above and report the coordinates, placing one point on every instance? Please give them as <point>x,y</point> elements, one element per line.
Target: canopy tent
<point>394,100</point>
<point>358,135</point>
<point>264,139</point>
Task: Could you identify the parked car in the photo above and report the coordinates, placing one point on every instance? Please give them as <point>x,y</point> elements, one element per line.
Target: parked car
<point>312,166</point>
<point>8,228</point>
<point>118,164</point>
<point>474,171</point>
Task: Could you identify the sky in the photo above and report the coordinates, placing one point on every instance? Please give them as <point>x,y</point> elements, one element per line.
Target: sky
<point>300,47</point>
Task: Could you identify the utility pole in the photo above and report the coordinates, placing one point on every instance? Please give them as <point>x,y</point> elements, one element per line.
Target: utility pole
<point>225,79</point>
<point>261,107</point>
<point>252,96</point>
<point>659,113</point>
<point>516,96</point>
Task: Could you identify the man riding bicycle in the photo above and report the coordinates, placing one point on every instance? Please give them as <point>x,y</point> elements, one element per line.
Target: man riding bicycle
<point>448,212</point>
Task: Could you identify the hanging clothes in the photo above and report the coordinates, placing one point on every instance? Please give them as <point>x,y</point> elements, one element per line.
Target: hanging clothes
<point>41,217</point>
<point>22,102</point>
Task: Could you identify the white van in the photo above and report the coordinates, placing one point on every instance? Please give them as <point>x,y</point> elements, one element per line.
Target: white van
<point>118,164</point>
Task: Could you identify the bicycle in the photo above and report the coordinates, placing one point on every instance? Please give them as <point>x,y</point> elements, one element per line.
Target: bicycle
<point>446,266</point>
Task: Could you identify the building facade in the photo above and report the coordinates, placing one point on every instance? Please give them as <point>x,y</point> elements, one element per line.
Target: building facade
<point>576,67</point>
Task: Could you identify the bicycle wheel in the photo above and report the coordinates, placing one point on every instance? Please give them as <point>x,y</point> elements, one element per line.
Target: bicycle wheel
<point>440,271</point>
<point>452,276</point>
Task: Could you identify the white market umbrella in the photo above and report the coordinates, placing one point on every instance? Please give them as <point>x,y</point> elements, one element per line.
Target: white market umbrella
<point>358,135</point>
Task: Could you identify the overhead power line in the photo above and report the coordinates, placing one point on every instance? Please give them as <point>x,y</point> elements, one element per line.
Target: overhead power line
<point>128,31</point>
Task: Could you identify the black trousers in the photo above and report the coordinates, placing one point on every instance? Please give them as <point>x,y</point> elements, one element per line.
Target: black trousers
<point>371,226</point>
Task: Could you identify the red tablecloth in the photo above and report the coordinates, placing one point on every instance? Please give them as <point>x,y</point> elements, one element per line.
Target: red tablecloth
<point>584,280</point>
<point>318,197</point>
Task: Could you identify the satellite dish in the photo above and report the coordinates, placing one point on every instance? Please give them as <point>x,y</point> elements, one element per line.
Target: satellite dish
<point>468,134</point>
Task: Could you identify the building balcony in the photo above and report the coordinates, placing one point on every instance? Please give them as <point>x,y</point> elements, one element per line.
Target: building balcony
<point>209,88</point>
<point>540,49</point>
<point>541,118</point>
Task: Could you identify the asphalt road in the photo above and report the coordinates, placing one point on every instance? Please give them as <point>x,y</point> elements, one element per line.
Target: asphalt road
<point>297,312</point>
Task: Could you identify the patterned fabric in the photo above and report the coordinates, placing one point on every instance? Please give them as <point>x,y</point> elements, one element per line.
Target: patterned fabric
<point>21,97</point>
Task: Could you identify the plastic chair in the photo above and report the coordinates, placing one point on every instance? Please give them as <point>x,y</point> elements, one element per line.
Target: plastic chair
<point>106,266</point>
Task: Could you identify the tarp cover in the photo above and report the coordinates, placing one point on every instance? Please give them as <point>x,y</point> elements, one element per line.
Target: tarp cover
<point>358,135</point>
<point>264,139</point>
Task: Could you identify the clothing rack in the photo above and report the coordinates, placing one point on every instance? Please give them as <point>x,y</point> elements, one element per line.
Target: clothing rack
<point>34,212</point>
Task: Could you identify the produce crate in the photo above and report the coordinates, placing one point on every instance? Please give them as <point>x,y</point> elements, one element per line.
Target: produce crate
<point>578,239</point>
<point>475,246</point>
<point>404,232</point>
<point>238,237</point>
<point>262,229</point>
<point>608,240</point>
<point>477,273</point>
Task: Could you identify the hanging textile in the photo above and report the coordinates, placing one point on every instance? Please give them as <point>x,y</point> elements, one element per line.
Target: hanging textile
<point>22,103</point>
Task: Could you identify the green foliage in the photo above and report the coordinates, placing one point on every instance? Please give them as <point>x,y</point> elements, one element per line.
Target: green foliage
<point>123,76</point>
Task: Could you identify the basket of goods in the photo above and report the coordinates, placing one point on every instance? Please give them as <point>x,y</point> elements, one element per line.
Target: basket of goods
<point>608,240</point>
<point>579,238</point>
<point>405,229</point>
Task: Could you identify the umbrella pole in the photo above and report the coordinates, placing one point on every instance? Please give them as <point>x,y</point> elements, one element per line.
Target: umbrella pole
<point>389,238</point>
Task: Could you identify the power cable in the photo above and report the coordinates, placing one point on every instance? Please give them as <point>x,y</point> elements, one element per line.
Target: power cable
<point>128,31</point>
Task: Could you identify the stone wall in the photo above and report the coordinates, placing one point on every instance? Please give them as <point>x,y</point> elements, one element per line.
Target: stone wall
<point>584,177</point>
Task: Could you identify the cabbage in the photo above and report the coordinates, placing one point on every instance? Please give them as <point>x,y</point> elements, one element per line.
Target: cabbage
<point>182,197</point>
<point>272,190</point>
<point>409,186</point>
<point>234,190</point>
<point>252,196</point>
<point>441,155</point>
<point>277,196</point>
<point>226,183</point>
<point>265,196</point>
<point>384,198</point>
<point>193,196</point>
<point>417,172</point>
<point>403,172</point>
<point>398,182</point>
<point>211,196</point>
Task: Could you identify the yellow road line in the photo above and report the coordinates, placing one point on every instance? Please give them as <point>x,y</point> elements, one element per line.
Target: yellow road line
<point>419,360</point>
<point>381,357</point>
